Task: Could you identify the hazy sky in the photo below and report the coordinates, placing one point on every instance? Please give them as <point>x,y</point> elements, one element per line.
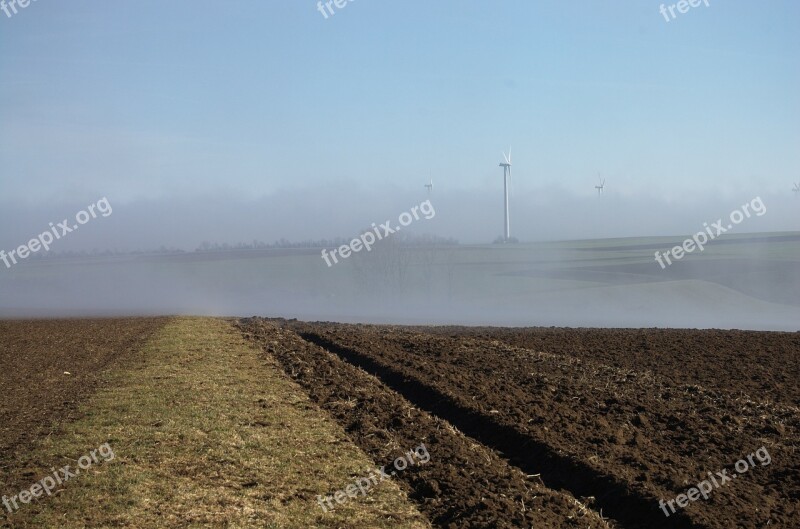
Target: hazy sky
<point>253,100</point>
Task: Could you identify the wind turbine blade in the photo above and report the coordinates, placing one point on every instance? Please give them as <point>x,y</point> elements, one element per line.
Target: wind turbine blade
<point>505,157</point>
<point>509,154</point>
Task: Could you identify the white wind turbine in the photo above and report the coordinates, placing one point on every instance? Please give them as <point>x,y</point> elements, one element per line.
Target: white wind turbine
<point>601,186</point>
<point>506,181</point>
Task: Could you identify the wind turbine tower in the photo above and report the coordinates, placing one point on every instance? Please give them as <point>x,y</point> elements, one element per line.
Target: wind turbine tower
<point>506,177</point>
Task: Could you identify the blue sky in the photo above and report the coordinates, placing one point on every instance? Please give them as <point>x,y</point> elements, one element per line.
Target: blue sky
<point>155,100</point>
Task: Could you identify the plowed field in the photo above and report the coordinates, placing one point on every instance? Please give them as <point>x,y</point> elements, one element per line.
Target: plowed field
<point>615,420</point>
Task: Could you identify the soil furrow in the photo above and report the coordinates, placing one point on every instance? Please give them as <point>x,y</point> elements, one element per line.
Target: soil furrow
<point>465,485</point>
<point>656,438</point>
<point>558,470</point>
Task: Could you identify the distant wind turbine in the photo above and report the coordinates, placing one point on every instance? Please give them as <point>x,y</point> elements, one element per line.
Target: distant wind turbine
<point>601,186</point>
<point>429,186</point>
<point>506,180</point>
<point>796,189</point>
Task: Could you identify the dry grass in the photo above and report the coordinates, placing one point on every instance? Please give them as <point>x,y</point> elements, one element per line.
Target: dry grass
<point>206,434</point>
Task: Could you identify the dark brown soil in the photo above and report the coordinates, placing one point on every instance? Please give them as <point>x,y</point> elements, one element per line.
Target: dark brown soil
<point>761,364</point>
<point>36,396</point>
<point>626,430</point>
<point>464,485</point>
